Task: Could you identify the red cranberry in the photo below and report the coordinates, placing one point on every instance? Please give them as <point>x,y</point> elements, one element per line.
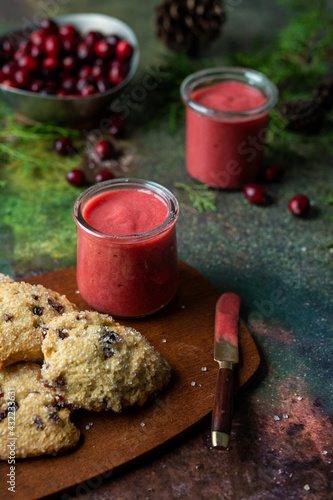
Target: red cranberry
<point>37,85</point>
<point>64,146</point>
<point>98,71</point>
<point>37,38</point>
<point>52,45</point>
<point>117,72</point>
<point>37,51</point>
<point>104,149</point>
<point>92,37</point>
<point>124,50</point>
<point>299,205</point>
<point>85,72</point>
<point>116,128</point>
<point>84,52</point>
<point>8,69</point>
<point>68,31</point>
<point>82,83</point>
<point>69,45</point>
<point>8,83</point>
<point>104,175</point>
<point>273,173</point>
<point>28,63</point>
<point>103,85</point>
<point>69,84</point>
<point>7,48</point>
<point>76,177</point>
<point>25,45</point>
<point>49,27</point>
<point>50,65</point>
<point>61,93</point>
<point>112,40</point>
<point>22,78</point>
<point>88,90</point>
<point>69,63</point>
<point>255,194</point>
<point>18,54</point>
<point>104,50</point>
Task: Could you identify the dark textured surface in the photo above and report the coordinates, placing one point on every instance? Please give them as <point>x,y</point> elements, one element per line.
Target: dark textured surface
<point>282,431</point>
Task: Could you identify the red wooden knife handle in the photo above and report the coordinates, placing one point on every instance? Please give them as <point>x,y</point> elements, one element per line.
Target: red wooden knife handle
<point>223,408</point>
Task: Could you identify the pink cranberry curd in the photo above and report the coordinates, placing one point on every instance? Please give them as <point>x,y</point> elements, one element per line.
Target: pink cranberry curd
<point>226,121</point>
<point>127,262</point>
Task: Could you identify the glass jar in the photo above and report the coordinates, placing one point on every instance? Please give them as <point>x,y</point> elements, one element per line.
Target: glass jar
<point>126,275</point>
<point>226,123</point>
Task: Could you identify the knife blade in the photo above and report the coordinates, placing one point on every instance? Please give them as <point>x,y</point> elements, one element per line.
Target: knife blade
<point>226,354</point>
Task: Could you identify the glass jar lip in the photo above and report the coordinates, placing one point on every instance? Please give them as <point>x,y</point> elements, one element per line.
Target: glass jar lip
<point>214,75</point>
<point>127,183</point>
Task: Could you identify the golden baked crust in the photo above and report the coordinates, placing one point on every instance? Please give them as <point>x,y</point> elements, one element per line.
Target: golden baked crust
<point>24,310</point>
<point>96,364</point>
<point>30,422</point>
<point>4,278</point>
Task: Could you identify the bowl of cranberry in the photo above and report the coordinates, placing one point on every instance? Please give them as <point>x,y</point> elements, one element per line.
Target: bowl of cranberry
<point>68,70</point>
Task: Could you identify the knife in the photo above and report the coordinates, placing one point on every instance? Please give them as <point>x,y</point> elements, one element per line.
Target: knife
<point>226,354</point>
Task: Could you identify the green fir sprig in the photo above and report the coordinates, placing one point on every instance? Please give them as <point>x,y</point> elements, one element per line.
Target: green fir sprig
<point>202,198</point>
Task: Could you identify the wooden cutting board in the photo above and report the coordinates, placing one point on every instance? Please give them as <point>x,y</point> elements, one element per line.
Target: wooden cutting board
<point>183,333</point>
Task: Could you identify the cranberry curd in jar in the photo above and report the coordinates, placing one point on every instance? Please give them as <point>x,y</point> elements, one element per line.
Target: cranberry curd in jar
<point>226,122</point>
<point>127,262</point>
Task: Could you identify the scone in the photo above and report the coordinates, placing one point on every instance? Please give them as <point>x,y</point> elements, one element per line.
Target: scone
<point>94,363</point>
<point>30,422</point>
<point>24,310</point>
<point>4,278</point>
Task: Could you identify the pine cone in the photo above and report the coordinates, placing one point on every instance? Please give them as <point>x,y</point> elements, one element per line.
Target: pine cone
<point>303,114</point>
<point>324,93</point>
<point>189,25</point>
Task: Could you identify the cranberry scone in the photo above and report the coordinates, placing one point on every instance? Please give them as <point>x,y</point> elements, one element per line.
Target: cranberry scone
<point>31,424</point>
<point>24,310</point>
<point>93,362</point>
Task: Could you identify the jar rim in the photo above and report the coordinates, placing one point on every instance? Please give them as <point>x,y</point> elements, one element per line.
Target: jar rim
<point>127,183</point>
<point>210,76</point>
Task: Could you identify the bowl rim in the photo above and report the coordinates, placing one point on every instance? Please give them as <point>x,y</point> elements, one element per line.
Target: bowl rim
<point>64,19</point>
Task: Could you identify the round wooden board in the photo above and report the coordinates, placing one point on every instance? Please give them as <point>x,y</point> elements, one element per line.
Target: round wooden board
<point>183,333</point>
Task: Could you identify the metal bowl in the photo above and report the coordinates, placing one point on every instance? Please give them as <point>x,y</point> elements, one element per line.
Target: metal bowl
<point>67,111</point>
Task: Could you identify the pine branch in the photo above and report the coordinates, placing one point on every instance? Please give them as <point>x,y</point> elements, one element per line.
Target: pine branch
<point>202,198</point>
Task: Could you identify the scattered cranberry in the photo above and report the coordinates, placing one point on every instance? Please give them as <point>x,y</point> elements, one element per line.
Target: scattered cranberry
<point>76,177</point>
<point>299,205</point>
<point>104,149</point>
<point>255,193</point>
<point>98,71</point>
<point>116,127</point>
<point>273,173</point>
<point>48,27</point>
<point>81,84</point>
<point>124,50</point>
<point>64,146</point>
<point>104,175</point>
